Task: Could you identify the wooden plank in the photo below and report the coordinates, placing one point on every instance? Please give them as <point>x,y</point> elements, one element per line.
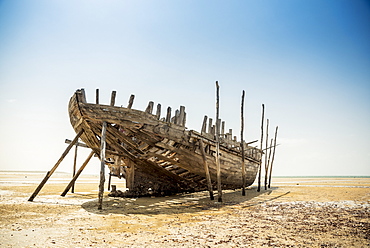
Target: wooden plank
<point>218,164</point>
<point>260,163</point>
<point>273,156</point>
<point>242,142</point>
<point>102,164</point>
<point>206,169</point>
<point>131,101</point>
<point>49,173</point>
<point>78,173</point>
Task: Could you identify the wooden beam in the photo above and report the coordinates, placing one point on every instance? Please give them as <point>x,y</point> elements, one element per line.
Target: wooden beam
<point>67,141</point>
<point>49,173</point>
<point>77,174</point>
<point>149,108</point>
<point>273,156</point>
<point>102,164</point>
<point>218,164</point>
<point>260,163</point>
<point>206,169</point>
<point>242,142</point>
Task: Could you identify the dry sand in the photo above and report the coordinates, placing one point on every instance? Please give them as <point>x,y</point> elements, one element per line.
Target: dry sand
<point>296,212</point>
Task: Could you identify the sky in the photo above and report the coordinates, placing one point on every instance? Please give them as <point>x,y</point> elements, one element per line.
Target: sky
<point>307,61</point>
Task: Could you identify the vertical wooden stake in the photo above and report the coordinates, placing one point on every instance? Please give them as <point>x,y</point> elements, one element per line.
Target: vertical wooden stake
<point>78,173</point>
<point>206,169</point>
<point>268,164</point>
<point>97,96</point>
<point>204,126</point>
<point>131,101</point>
<point>242,143</point>
<point>49,173</point>
<point>74,167</point>
<point>267,143</point>
<point>260,164</point>
<point>102,164</point>
<point>218,145</point>
<point>113,98</point>
<point>158,112</point>
<point>273,156</point>
<point>168,116</point>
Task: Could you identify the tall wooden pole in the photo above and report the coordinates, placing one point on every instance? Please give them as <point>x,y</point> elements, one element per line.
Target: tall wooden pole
<point>49,173</point>
<point>72,182</point>
<point>267,141</point>
<point>242,143</point>
<point>206,169</point>
<point>260,164</point>
<point>102,164</point>
<point>219,189</point>
<point>268,163</point>
<point>74,167</point>
<point>273,156</point>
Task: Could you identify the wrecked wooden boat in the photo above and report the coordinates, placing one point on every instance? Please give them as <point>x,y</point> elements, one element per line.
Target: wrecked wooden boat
<point>158,155</point>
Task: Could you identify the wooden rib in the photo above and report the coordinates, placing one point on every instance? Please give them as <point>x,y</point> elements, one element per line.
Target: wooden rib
<point>131,101</point>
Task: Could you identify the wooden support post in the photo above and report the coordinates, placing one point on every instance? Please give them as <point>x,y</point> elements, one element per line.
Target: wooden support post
<point>267,143</point>
<point>149,109</point>
<point>260,164</point>
<point>158,112</point>
<point>242,142</point>
<point>168,116</point>
<point>74,167</point>
<point>223,129</point>
<point>131,101</point>
<point>113,98</point>
<point>181,116</point>
<point>268,164</point>
<point>210,125</point>
<point>109,180</point>
<point>206,169</point>
<point>204,126</point>
<point>273,156</point>
<point>102,164</point>
<point>97,96</point>
<point>219,189</point>
<point>130,174</point>
<point>72,182</point>
<point>49,173</point>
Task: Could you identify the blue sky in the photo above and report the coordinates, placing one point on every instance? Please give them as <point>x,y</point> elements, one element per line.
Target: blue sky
<point>307,61</point>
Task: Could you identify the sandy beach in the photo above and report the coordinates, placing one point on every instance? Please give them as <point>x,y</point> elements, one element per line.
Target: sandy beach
<point>295,212</point>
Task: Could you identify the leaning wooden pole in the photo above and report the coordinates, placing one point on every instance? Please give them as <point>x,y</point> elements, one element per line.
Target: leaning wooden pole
<point>268,164</point>
<point>72,182</point>
<point>242,143</point>
<point>74,167</point>
<point>267,143</point>
<point>206,169</point>
<point>273,156</point>
<point>260,163</point>
<point>219,189</point>
<point>49,173</point>
<point>102,165</point>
